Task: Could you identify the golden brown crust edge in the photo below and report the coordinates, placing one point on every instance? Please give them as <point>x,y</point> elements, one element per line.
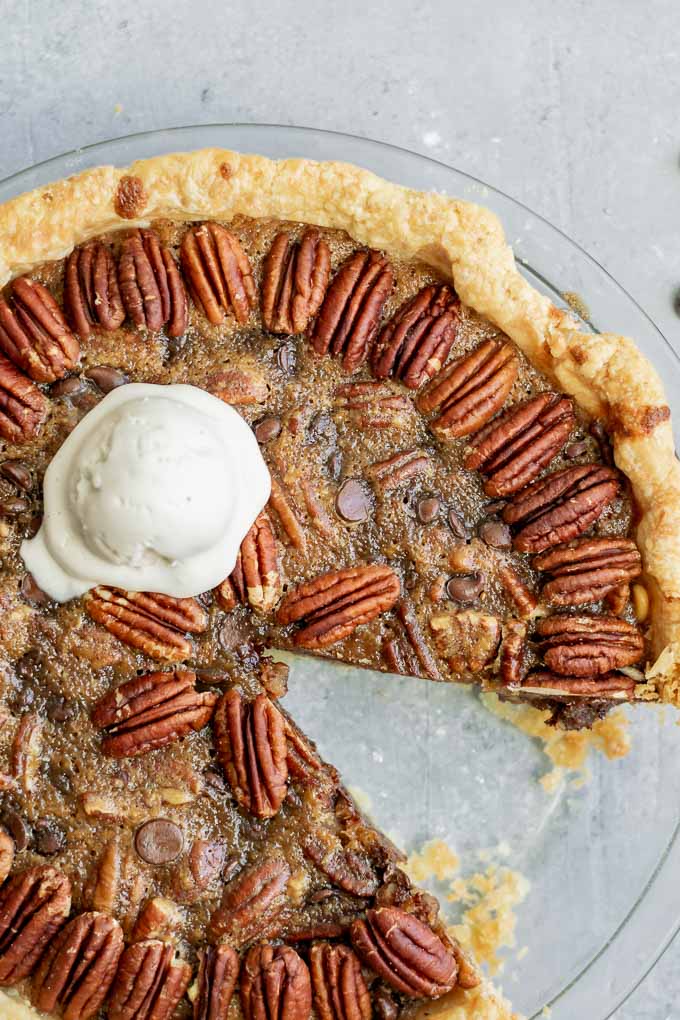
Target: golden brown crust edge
<point>605,373</point>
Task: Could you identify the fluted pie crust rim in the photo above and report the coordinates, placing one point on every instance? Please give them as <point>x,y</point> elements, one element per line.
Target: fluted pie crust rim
<point>605,373</point>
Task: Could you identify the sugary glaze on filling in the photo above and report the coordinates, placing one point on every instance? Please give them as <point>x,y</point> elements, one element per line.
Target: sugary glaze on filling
<point>379,547</point>
<point>330,436</point>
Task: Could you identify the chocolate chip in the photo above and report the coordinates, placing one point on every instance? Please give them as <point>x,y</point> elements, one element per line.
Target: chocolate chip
<point>67,387</point>
<point>28,666</point>
<point>49,838</point>
<point>17,827</point>
<point>465,587</point>
<point>267,428</point>
<point>496,534</point>
<point>16,472</point>
<point>59,709</point>
<point>106,377</point>
<point>384,1006</point>
<point>32,593</point>
<point>335,465</point>
<point>285,358</point>
<point>456,524</point>
<point>576,449</point>
<point>598,430</point>
<point>159,841</point>
<point>60,777</point>
<point>14,506</point>
<point>33,525</point>
<point>351,501</point>
<point>427,509</point>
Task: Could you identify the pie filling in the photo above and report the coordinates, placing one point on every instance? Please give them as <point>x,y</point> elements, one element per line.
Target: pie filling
<point>436,510</point>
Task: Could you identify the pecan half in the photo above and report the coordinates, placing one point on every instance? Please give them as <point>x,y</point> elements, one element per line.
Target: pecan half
<point>155,624</point>
<point>416,341</point>
<point>372,405</point>
<point>280,502</point>
<point>295,279</point>
<point>400,467</point>
<point>219,273</point>
<point>159,918</point>
<point>608,686</point>
<point>23,407</point>
<point>238,386</point>
<point>256,578</point>
<point>408,653</point>
<point>217,974</point>
<point>588,645</point>
<point>6,854</point>
<point>517,590</point>
<point>251,746</point>
<point>34,333</point>
<point>151,711</point>
<point>513,450</point>
<point>404,952</point>
<point>33,906</point>
<point>76,972</point>
<point>467,640</point>
<point>348,319</point>
<point>560,506</point>
<point>304,764</point>
<point>340,992</point>
<point>513,649</point>
<point>470,390</point>
<point>105,884</point>
<point>252,901</point>
<point>26,751</point>
<point>150,982</point>
<point>332,605</point>
<point>346,868</point>
<point>587,569</point>
<point>151,285</point>
<point>91,294</point>
<point>275,983</point>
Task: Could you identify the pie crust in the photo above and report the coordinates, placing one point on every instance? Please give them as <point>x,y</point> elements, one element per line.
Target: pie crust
<point>605,373</point>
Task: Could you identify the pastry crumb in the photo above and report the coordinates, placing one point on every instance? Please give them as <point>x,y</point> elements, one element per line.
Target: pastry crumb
<point>362,798</point>
<point>436,860</point>
<point>576,303</point>
<point>489,922</point>
<point>568,750</point>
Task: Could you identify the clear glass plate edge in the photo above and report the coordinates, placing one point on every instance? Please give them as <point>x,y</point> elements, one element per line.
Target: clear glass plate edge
<point>621,965</point>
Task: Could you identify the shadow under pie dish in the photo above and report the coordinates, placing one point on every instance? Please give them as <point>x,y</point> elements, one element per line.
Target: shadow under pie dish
<point>439,435</point>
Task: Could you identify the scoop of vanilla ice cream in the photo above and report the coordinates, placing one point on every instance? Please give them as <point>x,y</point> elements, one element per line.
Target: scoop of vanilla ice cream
<point>153,491</point>
<point>151,483</point>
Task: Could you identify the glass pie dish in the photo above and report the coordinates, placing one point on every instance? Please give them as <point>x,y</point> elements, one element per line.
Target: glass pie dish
<point>432,761</point>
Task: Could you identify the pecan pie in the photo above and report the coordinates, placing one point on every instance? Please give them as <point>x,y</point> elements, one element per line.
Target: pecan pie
<point>464,487</point>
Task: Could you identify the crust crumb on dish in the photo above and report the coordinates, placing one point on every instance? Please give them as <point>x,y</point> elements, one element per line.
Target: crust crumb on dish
<point>489,922</point>
<point>568,750</point>
<point>488,900</point>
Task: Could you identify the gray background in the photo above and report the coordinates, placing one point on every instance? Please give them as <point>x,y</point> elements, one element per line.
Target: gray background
<point>572,107</point>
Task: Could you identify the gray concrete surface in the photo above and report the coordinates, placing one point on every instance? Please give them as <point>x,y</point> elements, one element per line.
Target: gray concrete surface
<point>572,107</point>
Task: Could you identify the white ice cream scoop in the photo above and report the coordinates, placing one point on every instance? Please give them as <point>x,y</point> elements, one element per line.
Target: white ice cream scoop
<point>153,491</point>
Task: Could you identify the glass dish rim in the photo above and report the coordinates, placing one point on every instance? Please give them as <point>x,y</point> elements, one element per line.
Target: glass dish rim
<point>15,179</point>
